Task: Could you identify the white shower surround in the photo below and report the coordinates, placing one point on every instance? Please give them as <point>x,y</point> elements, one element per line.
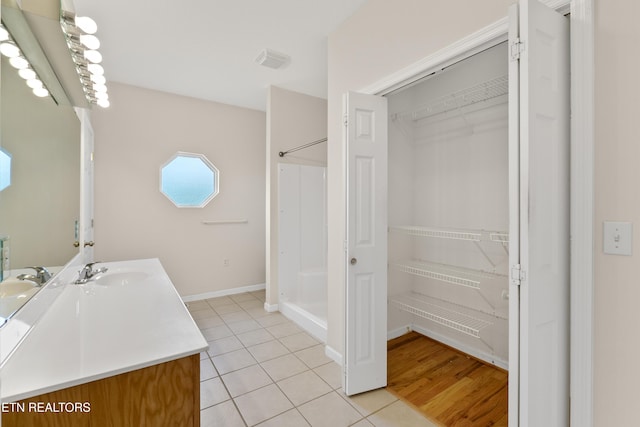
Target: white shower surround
<point>302,249</point>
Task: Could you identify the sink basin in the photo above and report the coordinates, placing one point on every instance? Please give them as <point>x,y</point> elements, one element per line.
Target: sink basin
<point>120,278</point>
<point>16,287</point>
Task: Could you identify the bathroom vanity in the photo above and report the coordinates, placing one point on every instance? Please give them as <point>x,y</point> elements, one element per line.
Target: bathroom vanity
<point>121,349</point>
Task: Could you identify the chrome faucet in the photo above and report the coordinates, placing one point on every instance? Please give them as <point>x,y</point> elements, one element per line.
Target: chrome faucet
<point>87,273</point>
<point>41,276</point>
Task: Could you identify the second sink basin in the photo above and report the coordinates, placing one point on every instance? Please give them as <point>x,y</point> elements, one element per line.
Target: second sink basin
<point>15,287</point>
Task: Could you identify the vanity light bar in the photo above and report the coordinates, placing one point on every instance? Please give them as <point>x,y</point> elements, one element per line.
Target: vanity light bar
<point>10,49</point>
<point>83,45</point>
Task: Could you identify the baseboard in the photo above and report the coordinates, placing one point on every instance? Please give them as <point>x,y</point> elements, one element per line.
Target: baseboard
<point>332,354</point>
<point>224,292</point>
<point>270,308</point>
<point>398,332</point>
<point>310,323</point>
<point>486,357</point>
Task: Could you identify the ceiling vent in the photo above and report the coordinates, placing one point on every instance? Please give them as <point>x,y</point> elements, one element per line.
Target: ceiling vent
<point>272,59</point>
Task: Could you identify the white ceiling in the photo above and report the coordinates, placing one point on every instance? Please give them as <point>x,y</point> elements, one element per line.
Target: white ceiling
<point>206,48</point>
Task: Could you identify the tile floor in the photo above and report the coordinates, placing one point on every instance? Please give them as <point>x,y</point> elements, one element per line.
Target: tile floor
<point>261,369</point>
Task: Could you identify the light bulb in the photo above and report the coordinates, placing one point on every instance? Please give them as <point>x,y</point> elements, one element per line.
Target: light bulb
<point>86,24</point>
<point>99,79</point>
<point>27,73</point>
<point>95,69</point>
<point>9,49</point>
<point>40,92</point>
<point>93,56</point>
<point>90,41</point>
<point>104,103</point>
<point>99,88</point>
<point>4,34</point>
<point>102,95</point>
<point>18,62</point>
<point>34,83</point>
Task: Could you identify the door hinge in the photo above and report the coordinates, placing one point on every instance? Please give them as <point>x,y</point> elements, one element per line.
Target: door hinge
<point>345,119</point>
<point>517,274</point>
<point>516,48</point>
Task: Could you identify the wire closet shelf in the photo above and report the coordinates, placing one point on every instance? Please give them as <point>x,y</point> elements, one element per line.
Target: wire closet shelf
<point>475,94</point>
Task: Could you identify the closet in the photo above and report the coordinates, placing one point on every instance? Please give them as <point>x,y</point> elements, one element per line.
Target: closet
<point>457,210</point>
<point>448,207</point>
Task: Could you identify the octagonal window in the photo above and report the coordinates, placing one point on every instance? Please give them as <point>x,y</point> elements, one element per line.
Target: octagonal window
<point>189,180</point>
<point>5,169</point>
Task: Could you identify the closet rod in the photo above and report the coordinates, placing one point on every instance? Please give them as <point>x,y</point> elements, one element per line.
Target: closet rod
<point>301,147</point>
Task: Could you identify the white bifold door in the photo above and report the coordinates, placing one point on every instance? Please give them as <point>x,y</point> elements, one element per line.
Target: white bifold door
<point>539,225</point>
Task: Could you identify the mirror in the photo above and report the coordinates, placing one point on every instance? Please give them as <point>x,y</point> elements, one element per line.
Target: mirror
<point>39,209</point>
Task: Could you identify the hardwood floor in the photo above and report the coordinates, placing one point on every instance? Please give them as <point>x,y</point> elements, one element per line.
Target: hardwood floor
<point>450,387</point>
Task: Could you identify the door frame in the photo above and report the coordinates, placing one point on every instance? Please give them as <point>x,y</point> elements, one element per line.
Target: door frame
<point>581,180</point>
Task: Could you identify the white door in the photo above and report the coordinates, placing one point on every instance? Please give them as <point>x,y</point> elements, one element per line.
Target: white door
<point>540,62</point>
<point>86,190</point>
<point>366,255</point>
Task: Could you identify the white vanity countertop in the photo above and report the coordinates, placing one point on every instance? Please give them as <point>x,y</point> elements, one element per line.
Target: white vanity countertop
<point>128,318</point>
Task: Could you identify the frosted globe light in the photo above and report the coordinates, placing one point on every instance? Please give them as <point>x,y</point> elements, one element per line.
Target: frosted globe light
<point>95,69</point>
<point>99,88</point>
<point>86,24</point>
<point>27,73</point>
<point>4,34</point>
<point>102,95</point>
<point>90,41</point>
<point>18,62</point>
<point>9,49</point>
<point>104,103</point>
<point>40,92</point>
<point>99,79</point>
<point>93,56</point>
<point>34,83</point>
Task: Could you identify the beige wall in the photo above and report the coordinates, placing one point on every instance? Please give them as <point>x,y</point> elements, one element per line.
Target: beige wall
<point>293,119</point>
<point>139,132</point>
<point>381,38</point>
<point>617,198</point>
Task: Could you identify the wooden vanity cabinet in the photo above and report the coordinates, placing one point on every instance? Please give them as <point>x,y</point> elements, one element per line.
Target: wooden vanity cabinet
<point>166,394</point>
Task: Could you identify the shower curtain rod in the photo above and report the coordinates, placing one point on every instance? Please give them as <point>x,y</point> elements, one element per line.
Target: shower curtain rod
<point>301,147</point>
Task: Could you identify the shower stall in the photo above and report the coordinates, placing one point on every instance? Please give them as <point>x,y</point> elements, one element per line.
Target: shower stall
<point>302,246</point>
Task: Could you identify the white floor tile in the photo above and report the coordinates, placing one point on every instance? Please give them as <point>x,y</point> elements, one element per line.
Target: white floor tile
<point>331,373</point>
<point>298,341</point>
<point>209,322</point>
<point>245,380</point>
<point>216,333</point>
<point>313,356</point>
<point>268,350</point>
<point>212,392</point>
<point>371,401</point>
<point>283,367</point>
<point>244,326</point>
<point>329,410</point>
<point>291,418</point>
<point>304,387</point>
<point>284,329</point>
<point>262,404</point>
<point>207,370</point>
<point>226,309</point>
<point>233,361</point>
<point>222,415</point>
<point>256,337</point>
<point>399,414</point>
<point>224,345</point>
<point>272,319</point>
<point>235,316</point>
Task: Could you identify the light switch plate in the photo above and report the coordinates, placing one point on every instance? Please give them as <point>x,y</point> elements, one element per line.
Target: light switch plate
<point>618,238</point>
